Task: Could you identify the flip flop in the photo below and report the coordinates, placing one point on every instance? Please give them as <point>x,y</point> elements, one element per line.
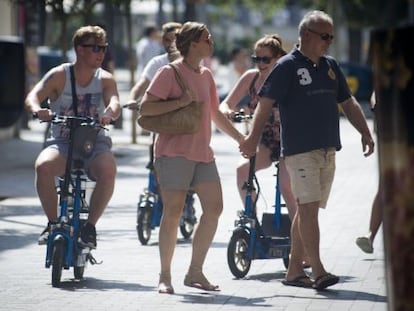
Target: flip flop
<point>325,281</point>
<point>300,281</point>
<point>199,281</point>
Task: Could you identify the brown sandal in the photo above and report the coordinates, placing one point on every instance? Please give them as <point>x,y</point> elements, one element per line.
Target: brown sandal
<point>164,285</point>
<point>197,279</point>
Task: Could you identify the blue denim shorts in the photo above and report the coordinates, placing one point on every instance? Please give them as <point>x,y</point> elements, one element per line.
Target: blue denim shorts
<point>103,144</point>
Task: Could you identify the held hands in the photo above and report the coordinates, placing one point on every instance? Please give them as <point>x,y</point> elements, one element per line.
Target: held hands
<point>247,147</point>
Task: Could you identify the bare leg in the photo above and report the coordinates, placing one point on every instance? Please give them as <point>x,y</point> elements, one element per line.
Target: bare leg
<point>286,189</point>
<point>365,243</point>
<point>262,161</point>
<point>49,164</point>
<point>103,170</point>
<point>376,218</point>
<point>305,237</point>
<point>290,199</point>
<point>210,195</point>
<point>173,201</point>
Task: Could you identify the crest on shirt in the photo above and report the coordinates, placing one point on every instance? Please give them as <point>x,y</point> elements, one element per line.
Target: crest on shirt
<point>331,74</point>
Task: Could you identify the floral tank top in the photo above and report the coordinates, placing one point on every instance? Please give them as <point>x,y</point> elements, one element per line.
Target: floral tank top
<point>271,132</point>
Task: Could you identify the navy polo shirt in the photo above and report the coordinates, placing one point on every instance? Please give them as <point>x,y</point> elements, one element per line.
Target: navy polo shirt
<point>307,96</point>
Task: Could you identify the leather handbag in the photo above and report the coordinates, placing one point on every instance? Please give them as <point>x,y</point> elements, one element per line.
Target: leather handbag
<point>185,120</point>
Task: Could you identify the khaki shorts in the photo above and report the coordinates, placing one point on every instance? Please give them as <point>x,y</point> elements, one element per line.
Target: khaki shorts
<point>179,173</point>
<point>311,174</point>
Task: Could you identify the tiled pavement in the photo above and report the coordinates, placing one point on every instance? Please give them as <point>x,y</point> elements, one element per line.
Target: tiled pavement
<point>127,278</point>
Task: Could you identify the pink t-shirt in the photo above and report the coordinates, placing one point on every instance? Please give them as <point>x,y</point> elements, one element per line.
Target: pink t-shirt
<point>195,147</point>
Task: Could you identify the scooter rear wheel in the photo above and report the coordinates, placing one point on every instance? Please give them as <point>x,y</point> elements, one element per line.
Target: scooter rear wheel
<point>186,229</point>
<point>237,253</point>
<point>144,225</point>
<point>78,272</point>
<point>188,221</point>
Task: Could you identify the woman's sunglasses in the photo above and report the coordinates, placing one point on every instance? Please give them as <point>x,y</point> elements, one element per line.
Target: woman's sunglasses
<point>96,48</point>
<point>258,59</point>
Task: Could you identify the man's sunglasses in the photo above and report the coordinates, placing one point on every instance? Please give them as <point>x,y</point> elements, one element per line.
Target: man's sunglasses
<point>324,36</point>
<point>258,59</point>
<point>96,48</point>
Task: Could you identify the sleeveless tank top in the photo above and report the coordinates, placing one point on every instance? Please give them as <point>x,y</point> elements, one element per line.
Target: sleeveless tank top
<point>90,102</point>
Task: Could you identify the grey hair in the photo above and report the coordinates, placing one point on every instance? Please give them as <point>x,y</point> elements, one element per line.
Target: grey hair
<point>311,18</point>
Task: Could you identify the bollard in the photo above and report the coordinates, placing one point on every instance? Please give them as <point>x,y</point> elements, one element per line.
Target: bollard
<point>392,54</point>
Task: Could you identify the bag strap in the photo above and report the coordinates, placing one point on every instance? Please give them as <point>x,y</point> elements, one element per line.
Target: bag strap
<point>179,78</point>
<point>73,85</point>
<point>252,85</point>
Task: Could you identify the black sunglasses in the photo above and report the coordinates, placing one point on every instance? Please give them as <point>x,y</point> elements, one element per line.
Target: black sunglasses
<point>324,36</point>
<point>258,59</point>
<point>96,48</point>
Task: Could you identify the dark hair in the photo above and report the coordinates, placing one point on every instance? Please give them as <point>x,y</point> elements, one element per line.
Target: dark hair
<point>273,42</point>
<point>149,30</point>
<point>189,32</point>
<point>236,50</point>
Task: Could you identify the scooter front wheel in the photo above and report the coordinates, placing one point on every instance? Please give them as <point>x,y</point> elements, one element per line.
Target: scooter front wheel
<point>57,262</point>
<point>237,253</point>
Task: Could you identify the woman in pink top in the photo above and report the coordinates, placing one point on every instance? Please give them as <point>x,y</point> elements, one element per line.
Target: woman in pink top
<point>187,161</point>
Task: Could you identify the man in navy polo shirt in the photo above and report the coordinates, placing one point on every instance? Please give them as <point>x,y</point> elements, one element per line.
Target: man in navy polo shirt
<point>307,85</point>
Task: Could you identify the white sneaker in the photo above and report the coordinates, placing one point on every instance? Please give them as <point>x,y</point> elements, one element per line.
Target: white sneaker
<point>365,244</point>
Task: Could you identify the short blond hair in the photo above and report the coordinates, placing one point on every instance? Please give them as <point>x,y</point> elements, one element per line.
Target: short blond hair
<point>85,33</point>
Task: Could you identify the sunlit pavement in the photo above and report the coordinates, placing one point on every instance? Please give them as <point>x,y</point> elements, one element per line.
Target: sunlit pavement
<point>127,278</point>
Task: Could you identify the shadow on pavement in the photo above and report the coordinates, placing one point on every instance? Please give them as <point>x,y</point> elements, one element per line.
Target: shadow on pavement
<point>210,298</point>
<point>91,284</point>
<point>14,239</point>
<point>11,238</point>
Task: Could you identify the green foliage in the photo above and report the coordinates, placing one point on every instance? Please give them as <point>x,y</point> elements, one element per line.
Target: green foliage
<point>366,13</point>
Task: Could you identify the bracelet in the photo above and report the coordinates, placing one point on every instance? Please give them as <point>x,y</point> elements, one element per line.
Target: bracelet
<point>132,101</point>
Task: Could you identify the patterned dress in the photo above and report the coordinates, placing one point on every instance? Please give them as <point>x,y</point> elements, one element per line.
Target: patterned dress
<point>271,132</point>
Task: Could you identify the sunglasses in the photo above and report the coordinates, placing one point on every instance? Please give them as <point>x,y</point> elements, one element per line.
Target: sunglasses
<point>96,48</point>
<point>258,59</point>
<point>324,36</point>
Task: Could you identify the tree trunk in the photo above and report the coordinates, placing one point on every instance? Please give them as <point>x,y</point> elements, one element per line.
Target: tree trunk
<point>132,66</point>
<point>190,11</point>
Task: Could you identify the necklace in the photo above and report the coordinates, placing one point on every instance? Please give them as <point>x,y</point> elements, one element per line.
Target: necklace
<point>196,70</point>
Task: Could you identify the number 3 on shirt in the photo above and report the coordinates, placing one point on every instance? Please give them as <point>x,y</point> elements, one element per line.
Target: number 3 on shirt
<point>304,76</point>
